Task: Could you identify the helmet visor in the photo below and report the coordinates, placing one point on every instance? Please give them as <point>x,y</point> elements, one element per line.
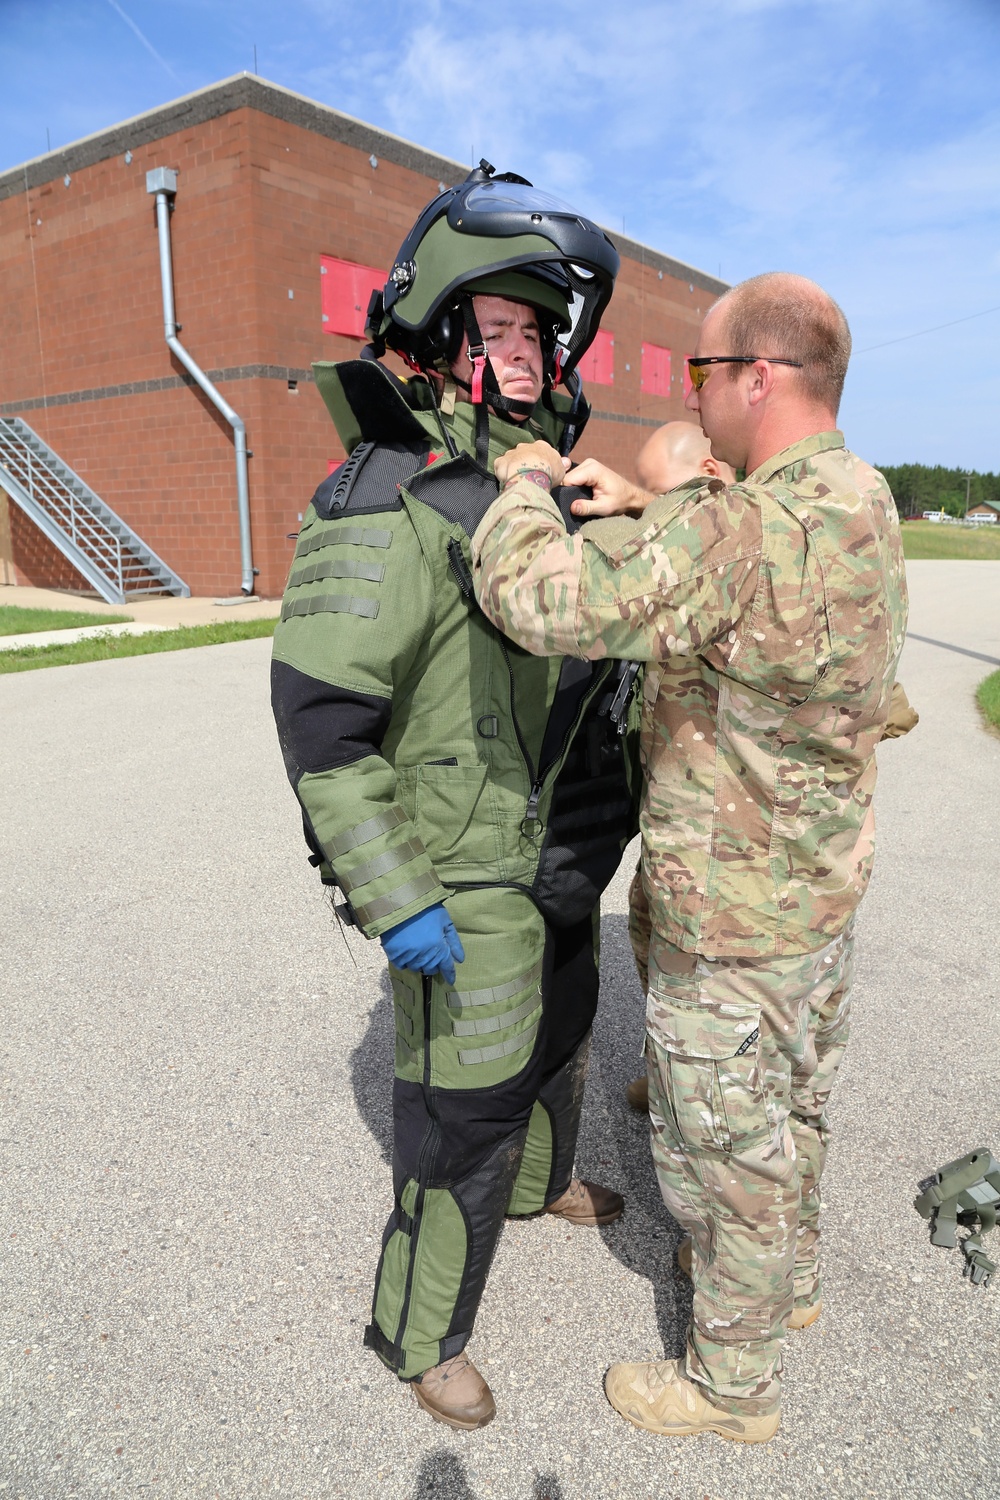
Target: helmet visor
<point>516,197</point>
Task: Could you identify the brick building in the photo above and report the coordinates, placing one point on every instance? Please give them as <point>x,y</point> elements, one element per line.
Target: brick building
<point>285,213</point>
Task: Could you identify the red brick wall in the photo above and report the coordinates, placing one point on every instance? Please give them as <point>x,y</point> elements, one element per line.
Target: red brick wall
<point>259,201</point>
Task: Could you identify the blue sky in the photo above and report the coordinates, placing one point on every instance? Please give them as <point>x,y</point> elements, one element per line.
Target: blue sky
<point>855,141</point>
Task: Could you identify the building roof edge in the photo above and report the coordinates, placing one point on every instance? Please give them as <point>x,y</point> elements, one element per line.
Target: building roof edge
<point>248,90</point>
<point>646,255</point>
<point>242,90</point>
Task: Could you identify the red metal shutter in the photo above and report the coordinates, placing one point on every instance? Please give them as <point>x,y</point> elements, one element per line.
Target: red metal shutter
<point>597,367</point>
<point>345,291</point>
<point>655,370</point>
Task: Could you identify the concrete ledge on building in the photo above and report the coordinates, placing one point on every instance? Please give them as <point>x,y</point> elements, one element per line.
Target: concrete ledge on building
<point>164,612</point>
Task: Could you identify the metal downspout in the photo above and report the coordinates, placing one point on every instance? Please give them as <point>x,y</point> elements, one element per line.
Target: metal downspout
<point>163,182</point>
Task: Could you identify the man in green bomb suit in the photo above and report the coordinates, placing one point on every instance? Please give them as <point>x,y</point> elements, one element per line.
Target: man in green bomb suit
<point>436,762</point>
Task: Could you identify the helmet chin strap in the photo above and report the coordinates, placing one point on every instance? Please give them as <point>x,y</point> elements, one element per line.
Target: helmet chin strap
<point>485,393</point>
<point>484,377</point>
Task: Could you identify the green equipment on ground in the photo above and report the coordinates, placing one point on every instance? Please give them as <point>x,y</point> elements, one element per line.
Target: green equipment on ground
<point>966,1192</point>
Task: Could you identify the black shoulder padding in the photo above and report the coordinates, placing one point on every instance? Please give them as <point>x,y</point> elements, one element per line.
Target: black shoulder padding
<point>461,491</point>
<point>564,495</point>
<point>321,727</point>
<point>369,480</point>
<point>378,403</point>
<point>458,490</point>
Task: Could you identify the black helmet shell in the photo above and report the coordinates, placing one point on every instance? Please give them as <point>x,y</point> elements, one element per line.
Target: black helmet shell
<point>484,227</point>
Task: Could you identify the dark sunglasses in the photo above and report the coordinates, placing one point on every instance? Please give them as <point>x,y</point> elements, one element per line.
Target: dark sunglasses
<point>699,373</point>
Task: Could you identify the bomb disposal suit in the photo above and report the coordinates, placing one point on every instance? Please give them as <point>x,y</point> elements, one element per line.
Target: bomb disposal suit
<point>436,761</point>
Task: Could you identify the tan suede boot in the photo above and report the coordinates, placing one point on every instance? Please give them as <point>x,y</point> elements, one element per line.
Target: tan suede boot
<point>587,1203</point>
<point>658,1397</point>
<point>637,1094</point>
<point>455,1393</point>
<point>802,1317</point>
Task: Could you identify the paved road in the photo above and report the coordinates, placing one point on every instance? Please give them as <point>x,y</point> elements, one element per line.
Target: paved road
<point>194,1067</point>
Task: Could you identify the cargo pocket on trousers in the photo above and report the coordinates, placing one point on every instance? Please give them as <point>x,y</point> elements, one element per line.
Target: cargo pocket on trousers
<point>708,1065</point>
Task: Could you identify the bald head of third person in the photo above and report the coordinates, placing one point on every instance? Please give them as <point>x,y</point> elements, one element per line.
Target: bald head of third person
<point>675,453</point>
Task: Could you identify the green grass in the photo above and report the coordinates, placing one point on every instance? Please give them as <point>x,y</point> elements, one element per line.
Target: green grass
<point>107,648</point>
<point>17,621</point>
<point>938,539</point>
<point>988,698</point>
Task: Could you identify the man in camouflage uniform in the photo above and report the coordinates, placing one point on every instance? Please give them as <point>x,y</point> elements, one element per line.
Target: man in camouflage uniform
<point>672,455</point>
<point>771,615</point>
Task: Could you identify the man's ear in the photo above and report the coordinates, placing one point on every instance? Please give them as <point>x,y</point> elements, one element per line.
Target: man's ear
<point>761,383</point>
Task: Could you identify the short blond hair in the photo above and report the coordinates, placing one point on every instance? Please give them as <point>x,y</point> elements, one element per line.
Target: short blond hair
<point>784,316</point>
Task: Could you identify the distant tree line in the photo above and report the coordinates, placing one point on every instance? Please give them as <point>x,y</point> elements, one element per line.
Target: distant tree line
<point>917,487</point>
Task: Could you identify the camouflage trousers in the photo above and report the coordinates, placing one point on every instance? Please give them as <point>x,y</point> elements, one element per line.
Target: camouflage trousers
<point>742,1055</point>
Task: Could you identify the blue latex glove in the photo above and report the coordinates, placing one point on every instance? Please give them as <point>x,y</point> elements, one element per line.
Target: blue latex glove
<point>427,943</point>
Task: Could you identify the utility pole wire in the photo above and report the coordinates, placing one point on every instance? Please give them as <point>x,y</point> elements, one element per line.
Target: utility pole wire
<point>920,333</point>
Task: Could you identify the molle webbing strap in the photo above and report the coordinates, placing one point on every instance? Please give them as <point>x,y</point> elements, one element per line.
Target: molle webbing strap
<point>498,993</point>
<point>404,1022</point>
<point>364,833</point>
<point>345,536</point>
<point>410,1054</point>
<point>382,864</point>
<point>330,604</point>
<point>384,906</point>
<point>338,568</point>
<point>469,1056</point>
<point>365,536</point>
<point>497,1023</point>
<point>402,991</point>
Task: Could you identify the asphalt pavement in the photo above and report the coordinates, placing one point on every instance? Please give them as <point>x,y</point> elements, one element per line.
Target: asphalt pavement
<point>195,1072</point>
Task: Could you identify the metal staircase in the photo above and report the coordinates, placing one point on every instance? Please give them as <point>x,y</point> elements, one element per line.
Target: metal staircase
<point>99,544</point>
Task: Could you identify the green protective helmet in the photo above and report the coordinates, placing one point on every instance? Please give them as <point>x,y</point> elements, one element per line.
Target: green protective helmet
<point>495,235</point>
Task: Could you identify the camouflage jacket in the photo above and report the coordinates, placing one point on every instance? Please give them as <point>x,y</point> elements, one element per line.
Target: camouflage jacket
<point>771,614</point>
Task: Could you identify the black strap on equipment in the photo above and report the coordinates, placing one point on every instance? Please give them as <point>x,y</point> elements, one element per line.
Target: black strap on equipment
<point>965,1193</point>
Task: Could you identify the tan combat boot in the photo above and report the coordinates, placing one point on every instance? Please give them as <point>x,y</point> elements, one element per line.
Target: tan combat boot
<point>805,1317</point>
<point>802,1317</point>
<point>637,1094</point>
<point>587,1203</point>
<point>454,1392</point>
<point>658,1397</point>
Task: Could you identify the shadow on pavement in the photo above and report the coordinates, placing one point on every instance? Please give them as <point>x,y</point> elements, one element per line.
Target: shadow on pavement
<point>442,1476</point>
<point>372,1063</point>
<point>614,1140</point>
